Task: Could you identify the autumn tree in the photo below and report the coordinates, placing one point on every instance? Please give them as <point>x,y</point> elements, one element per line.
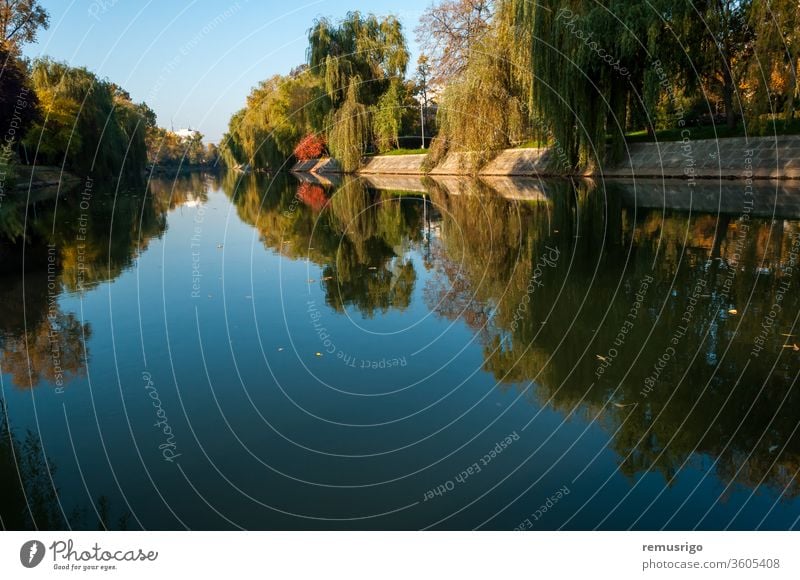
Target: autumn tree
<point>447,33</point>
<point>723,45</point>
<point>20,20</point>
<point>773,70</point>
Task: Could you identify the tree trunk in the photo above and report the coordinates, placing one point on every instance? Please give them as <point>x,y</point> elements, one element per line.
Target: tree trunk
<point>727,99</point>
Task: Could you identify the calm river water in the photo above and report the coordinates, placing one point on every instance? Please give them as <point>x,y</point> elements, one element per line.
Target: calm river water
<point>265,353</point>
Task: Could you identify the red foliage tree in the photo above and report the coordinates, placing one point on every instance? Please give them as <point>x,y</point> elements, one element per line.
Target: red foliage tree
<point>311,146</point>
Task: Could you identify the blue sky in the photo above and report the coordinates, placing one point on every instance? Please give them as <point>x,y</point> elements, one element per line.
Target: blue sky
<point>195,61</point>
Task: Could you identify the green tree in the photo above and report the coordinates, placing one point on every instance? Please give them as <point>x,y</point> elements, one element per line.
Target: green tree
<point>279,112</point>
<point>772,72</point>
<point>19,108</point>
<point>485,109</point>
<point>88,124</point>
<point>364,47</point>
<point>349,131</point>
<point>387,116</point>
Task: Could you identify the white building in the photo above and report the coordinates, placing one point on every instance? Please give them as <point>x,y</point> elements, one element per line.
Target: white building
<point>186,134</point>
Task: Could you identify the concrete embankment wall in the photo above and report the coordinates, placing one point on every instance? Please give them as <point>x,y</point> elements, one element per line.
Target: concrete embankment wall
<point>758,157</point>
<point>393,164</point>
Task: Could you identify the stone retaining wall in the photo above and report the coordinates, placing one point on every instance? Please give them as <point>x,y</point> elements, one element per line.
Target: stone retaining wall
<point>393,164</point>
<point>759,157</point>
<point>325,165</point>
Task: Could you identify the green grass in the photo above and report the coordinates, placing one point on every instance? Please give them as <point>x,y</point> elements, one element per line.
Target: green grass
<point>406,152</point>
<point>711,132</point>
<point>531,144</point>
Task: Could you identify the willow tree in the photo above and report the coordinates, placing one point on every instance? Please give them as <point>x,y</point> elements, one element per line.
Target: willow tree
<point>773,70</point>
<point>366,47</point>
<point>87,124</point>
<point>387,117</point>
<point>485,108</point>
<point>360,60</point>
<point>278,113</point>
<point>590,61</point>
<point>349,130</point>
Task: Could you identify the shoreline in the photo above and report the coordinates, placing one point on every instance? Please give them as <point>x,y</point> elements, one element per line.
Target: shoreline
<point>735,158</point>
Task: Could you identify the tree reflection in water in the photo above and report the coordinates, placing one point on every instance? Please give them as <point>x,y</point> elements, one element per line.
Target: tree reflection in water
<point>713,400</point>
<point>359,236</point>
<point>545,273</point>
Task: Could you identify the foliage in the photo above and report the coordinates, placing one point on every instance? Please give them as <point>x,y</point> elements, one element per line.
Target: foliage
<point>312,146</point>
<point>19,106</point>
<point>89,125</point>
<point>485,108</point>
<point>387,118</point>
<point>349,132</point>
<point>775,65</point>
<point>353,77</point>
<point>166,148</point>
<point>20,20</point>
<point>364,47</point>
<point>279,112</point>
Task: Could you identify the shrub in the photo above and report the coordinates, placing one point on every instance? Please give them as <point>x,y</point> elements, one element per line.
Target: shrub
<point>311,146</point>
